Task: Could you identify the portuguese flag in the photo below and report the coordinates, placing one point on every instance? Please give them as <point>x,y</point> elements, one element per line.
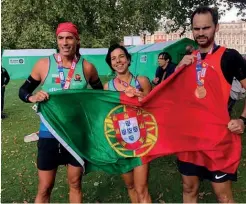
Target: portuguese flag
<point>115,133</point>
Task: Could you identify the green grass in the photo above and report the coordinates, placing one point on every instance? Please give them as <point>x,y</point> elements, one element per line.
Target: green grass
<point>19,173</point>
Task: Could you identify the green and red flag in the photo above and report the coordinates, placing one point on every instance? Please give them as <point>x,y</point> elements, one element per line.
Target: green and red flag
<point>115,133</point>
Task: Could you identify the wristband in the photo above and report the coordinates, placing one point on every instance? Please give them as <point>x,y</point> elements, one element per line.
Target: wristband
<point>27,98</point>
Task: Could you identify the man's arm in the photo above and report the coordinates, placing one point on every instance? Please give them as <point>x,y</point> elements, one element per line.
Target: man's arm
<point>187,60</point>
<point>233,65</point>
<point>237,64</point>
<point>241,75</point>
<point>91,75</point>
<point>157,76</point>
<point>32,82</point>
<point>238,125</point>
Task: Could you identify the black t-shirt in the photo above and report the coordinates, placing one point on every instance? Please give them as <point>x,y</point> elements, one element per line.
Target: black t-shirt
<point>232,64</point>
<point>160,72</point>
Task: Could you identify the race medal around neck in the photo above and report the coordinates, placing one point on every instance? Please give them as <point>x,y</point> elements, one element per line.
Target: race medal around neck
<point>201,68</point>
<point>129,90</point>
<point>200,92</point>
<point>65,83</point>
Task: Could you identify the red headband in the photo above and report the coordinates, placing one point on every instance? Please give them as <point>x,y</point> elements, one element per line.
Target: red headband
<point>68,27</point>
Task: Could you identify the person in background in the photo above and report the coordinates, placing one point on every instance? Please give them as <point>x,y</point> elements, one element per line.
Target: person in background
<point>237,93</point>
<point>4,82</point>
<point>165,68</point>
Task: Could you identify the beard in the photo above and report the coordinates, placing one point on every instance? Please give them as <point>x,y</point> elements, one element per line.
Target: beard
<point>207,41</point>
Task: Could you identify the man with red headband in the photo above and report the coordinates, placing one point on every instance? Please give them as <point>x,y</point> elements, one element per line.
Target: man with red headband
<point>57,72</point>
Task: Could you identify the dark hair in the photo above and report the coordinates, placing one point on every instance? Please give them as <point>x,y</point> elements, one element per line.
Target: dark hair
<point>111,49</point>
<point>206,9</point>
<point>166,56</point>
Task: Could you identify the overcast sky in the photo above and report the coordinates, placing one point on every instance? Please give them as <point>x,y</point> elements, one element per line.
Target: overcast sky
<point>230,15</point>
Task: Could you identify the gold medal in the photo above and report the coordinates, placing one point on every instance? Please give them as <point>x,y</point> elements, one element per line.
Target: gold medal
<point>200,92</point>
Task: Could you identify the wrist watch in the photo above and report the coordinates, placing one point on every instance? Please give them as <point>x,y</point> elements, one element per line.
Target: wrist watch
<point>243,119</point>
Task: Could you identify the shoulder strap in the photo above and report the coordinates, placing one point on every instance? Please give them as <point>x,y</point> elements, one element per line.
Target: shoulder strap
<point>137,84</point>
<point>111,85</point>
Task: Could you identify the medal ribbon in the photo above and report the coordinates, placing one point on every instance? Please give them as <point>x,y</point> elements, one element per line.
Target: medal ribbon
<point>65,84</point>
<point>201,67</point>
<point>125,84</point>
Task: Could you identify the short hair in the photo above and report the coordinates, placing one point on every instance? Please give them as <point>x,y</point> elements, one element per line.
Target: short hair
<point>166,56</point>
<point>206,9</point>
<point>111,49</point>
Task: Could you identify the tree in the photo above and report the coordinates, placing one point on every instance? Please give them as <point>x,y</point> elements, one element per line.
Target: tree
<point>32,24</point>
<point>180,11</point>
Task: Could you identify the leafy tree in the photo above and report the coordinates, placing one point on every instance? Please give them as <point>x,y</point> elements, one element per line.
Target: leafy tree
<point>180,11</point>
<point>32,23</point>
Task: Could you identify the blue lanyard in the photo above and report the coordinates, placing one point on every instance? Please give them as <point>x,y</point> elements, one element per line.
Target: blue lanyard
<point>125,84</point>
<point>198,69</point>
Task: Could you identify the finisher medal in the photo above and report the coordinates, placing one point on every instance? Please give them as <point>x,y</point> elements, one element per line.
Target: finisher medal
<point>201,69</point>
<point>200,92</point>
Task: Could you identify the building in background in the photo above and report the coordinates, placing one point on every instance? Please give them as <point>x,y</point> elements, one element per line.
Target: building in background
<point>133,40</point>
<point>230,35</point>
